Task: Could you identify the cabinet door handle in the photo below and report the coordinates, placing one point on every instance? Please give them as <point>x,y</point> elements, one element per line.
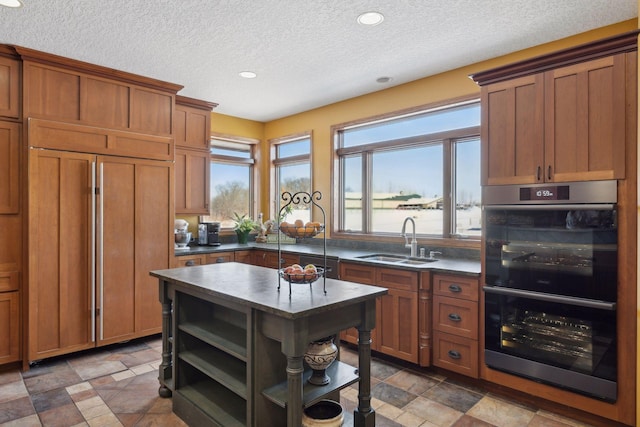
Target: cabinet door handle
<point>454,317</point>
<point>219,260</point>
<point>538,173</point>
<point>190,263</point>
<point>454,354</point>
<point>455,288</point>
<point>549,172</point>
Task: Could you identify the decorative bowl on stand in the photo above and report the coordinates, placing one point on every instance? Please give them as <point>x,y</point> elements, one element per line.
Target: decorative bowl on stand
<point>319,356</point>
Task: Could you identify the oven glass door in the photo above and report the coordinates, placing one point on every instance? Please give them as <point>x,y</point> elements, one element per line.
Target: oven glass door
<point>569,343</point>
<point>563,250</point>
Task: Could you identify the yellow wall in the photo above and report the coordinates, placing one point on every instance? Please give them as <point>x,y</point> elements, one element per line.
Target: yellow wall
<point>447,85</point>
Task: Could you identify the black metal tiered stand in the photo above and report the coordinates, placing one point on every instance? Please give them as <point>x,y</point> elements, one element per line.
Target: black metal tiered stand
<point>310,199</point>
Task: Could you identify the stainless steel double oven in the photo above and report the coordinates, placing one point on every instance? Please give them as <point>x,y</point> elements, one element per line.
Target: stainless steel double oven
<point>550,291</point>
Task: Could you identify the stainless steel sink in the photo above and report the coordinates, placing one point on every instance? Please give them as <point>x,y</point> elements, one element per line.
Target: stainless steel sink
<point>382,257</point>
<point>397,259</point>
<point>417,261</point>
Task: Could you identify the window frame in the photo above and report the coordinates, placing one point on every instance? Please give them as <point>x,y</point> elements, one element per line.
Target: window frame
<point>448,139</point>
<point>276,162</point>
<point>253,162</point>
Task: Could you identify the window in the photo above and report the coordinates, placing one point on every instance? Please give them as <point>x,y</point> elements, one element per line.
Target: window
<point>292,169</point>
<point>232,179</point>
<point>425,165</point>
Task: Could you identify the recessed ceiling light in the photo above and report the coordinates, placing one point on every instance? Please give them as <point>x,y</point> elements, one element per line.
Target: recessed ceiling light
<point>248,74</point>
<point>11,3</point>
<point>370,18</point>
<point>383,79</point>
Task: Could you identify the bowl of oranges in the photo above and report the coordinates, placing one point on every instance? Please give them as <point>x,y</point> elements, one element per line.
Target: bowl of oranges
<point>299,229</point>
<point>295,273</point>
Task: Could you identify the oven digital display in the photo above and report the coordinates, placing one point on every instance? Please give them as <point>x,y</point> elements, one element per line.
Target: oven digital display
<point>545,193</point>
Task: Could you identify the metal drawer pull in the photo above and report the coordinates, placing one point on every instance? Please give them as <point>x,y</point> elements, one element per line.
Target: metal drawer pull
<point>455,317</point>
<point>455,288</point>
<point>219,260</point>
<point>454,354</point>
<point>190,263</point>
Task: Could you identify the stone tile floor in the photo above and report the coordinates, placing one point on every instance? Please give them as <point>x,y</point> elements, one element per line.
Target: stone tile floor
<point>118,386</point>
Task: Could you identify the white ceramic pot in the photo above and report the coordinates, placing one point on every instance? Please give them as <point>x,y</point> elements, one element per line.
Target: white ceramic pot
<point>326,413</point>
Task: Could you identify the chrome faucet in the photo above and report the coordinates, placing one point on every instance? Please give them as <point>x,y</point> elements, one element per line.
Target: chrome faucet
<point>414,243</point>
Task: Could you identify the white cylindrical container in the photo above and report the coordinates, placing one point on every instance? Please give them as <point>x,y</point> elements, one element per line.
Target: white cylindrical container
<point>326,413</point>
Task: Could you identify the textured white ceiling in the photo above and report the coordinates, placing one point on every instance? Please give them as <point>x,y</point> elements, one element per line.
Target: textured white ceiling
<point>307,53</point>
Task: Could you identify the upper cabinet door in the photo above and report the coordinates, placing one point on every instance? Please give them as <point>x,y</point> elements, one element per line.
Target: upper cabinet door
<point>585,120</point>
<point>9,168</point>
<point>9,88</point>
<point>513,131</point>
<point>192,126</point>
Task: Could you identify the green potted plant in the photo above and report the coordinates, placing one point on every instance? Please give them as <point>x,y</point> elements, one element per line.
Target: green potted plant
<point>243,226</point>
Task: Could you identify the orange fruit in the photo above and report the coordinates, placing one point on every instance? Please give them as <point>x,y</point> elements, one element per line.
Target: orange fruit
<point>299,223</point>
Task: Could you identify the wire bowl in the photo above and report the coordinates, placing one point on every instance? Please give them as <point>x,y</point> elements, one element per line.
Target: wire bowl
<point>301,232</point>
<point>302,277</point>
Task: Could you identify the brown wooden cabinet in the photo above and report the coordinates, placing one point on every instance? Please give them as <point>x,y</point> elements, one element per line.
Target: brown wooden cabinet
<point>396,332</point>
<point>565,123</point>
<point>9,87</point>
<point>455,323</point>
<point>9,327</point>
<point>192,130</point>
<point>192,170</point>
<point>220,257</point>
<point>62,89</point>
<point>245,257</point>
<point>189,260</point>
<point>98,225</point>
<point>269,258</point>
<point>9,167</point>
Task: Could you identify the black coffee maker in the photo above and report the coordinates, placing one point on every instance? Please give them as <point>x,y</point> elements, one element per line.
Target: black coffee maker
<point>213,234</point>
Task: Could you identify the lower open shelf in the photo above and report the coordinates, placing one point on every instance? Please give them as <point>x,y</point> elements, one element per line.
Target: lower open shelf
<point>215,401</point>
<point>342,375</point>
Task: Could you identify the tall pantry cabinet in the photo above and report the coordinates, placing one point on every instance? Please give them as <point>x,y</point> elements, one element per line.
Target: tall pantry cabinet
<point>94,223</point>
<point>95,163</point>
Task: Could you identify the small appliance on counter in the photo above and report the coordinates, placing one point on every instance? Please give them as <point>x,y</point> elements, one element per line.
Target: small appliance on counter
<point>182,235</point>
<point>209,233</point>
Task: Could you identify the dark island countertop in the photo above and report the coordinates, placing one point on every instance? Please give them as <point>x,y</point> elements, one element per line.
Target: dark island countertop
<point>257,287</point>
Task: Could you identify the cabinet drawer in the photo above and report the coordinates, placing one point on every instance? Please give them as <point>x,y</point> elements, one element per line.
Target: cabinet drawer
<point>357,273</point>
<point>220,257</point>
<point>456,286</point>
<point>244,257</point>
<point>455,316</point>
<point>456,354</point>
<point>9,281</point>
<point>189,260</point>
<point>397,279</point>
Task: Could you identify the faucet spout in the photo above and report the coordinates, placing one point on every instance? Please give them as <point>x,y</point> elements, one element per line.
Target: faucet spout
<point>414,243</point>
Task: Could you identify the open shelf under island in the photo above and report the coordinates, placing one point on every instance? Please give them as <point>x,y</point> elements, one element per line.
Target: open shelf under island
<point>233,345</point>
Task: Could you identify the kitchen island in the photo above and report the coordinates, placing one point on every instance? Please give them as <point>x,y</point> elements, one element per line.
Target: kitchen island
<point>233,344</point>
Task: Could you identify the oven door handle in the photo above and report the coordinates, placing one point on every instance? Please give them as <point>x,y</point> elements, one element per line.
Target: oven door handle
<point>528,205</point>
<point>560,299</point>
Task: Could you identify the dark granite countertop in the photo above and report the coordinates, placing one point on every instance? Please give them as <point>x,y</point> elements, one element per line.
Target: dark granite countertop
<point>256,287</point>
<point>445,265</point>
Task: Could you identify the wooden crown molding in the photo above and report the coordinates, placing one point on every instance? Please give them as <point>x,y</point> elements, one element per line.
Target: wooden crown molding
<point>32,55</point>
<point>621,43</point>
<point>195,103</point>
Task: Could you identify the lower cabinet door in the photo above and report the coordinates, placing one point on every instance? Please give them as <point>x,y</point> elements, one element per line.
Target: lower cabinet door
<point>455,353</point>
<point>9,327</point>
